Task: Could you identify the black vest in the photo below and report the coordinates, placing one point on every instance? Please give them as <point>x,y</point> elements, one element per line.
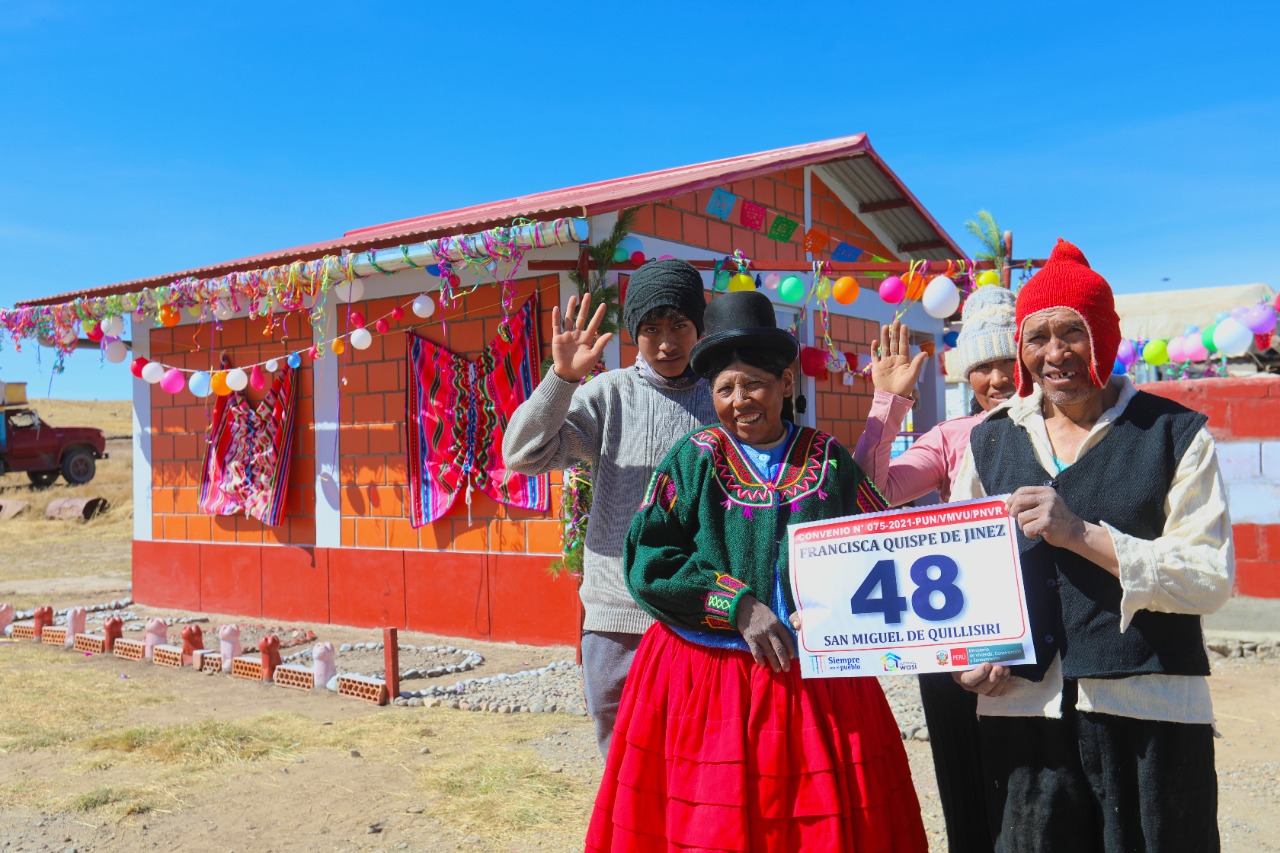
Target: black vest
<point>1124,480</point>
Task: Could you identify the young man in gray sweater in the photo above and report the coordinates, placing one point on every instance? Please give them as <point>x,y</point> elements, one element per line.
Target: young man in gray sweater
<point>622,423</point>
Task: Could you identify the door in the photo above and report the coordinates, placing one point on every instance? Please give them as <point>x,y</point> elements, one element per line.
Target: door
<point>31,446</point>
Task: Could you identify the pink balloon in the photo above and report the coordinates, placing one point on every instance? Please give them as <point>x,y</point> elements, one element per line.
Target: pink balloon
<point>1194,349</point>
<point>1175,350</point>
<point>892,290</point>
<point>173,381</point>
<point>257,378</point>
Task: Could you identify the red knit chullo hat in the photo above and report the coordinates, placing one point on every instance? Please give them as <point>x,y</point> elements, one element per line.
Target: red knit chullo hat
<point>1067,281</point>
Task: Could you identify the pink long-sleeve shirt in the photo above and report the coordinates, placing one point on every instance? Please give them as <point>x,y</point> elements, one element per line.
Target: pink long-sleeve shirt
<point>930,464</point>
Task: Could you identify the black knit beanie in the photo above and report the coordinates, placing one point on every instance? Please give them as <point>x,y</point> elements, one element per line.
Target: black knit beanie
<point>671,283</point>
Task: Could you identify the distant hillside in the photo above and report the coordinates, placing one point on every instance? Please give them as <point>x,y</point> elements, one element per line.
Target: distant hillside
<point>113,417</point>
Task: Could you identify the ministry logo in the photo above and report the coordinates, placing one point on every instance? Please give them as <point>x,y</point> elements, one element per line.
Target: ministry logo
<point>890,661</point>
<point>815,662</point>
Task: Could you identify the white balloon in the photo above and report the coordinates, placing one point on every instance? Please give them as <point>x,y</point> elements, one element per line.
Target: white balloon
<point>272,365</point>
<point>112,326</point>
<point>424,306</point>
<point>361,339</point>
<point>237,379</point>
<point>350,292</point>
<point>115,351</point>
<point>223,310</point>
<point>153,372</point>
<point>1232,338</point>
<point>941,297</point>
<point>69,337</point>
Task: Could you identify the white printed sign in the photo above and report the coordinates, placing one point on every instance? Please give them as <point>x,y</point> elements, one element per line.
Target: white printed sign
<point>905,592</point>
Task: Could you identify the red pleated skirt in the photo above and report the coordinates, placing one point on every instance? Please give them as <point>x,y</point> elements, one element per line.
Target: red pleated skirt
<point>712,752</point>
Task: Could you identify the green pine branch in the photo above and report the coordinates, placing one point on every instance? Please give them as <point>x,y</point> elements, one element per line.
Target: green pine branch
<point>988,233</point>
<point>602,261</point>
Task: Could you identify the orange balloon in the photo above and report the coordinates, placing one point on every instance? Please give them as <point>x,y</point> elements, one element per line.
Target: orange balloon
<point>338,347</point>
<point>927,347</point>
<point>915,285</point>
<point>218,382</point>
<point>169,316</point>
<point>845,290</point>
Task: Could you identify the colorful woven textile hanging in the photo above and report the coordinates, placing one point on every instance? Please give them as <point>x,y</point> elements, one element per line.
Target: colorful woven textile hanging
<point>246,463</point>
<point>458,412</point>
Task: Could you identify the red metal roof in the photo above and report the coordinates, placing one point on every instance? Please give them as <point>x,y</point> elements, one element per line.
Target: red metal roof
<point>583,200</point>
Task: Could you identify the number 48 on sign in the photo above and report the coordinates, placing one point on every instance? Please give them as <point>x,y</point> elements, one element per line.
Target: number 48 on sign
<point>910,591</point>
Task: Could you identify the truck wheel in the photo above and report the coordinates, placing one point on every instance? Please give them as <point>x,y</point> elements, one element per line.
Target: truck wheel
<point>41,479</point>
<point>78,466</point>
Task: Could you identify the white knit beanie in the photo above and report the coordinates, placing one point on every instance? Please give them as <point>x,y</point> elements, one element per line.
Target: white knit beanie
<point>989,320</point>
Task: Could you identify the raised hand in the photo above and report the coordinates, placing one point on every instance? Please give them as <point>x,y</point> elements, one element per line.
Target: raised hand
<point>575,349</point>
<point>892,367</point>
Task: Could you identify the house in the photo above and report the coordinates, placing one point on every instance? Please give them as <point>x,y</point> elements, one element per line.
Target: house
<point>345,550</point>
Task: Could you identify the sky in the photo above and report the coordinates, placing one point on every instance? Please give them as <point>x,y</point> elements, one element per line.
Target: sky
<point>148,137</point>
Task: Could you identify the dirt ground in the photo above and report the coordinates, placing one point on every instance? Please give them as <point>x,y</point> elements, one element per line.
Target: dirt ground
<point>98,754</point>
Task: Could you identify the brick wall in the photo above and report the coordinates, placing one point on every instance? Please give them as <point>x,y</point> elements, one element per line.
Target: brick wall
<point>372,439</point>
<point>180,426</point>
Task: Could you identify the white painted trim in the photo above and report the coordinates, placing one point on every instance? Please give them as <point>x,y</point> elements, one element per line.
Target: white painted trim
<point>325,419</point>
<point>142,505</point>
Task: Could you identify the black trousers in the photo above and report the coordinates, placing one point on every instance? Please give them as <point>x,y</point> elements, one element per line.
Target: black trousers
<point>1095,782</point>
<point>951,713</point>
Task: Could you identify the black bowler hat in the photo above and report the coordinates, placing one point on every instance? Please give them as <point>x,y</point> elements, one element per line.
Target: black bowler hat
<point>741,320</point>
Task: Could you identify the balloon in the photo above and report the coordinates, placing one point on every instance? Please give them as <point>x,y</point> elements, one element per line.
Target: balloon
<point>822,290</point>
<point>361,339</point>
<point>791,290</point>
<point>1127,354</point>
<point>987,277</point>
<point>169,316</point>
<point>352,291</point>
<point>741,282</point>
<point>137,365</point>
<point>69,337</point>
<point>199,384</point>
<point>115,351</point>
<point>941,297</point>
<point>951,338</point>
<point>845,290</point>
<point>112,326</point>
<point>1120,368</point>
<point>1260,319</point>
<point>721,281</point>
<point>454,280</point>
<point>382,326</point>
<point>1206,338</point>
<point>434,269</point>
<point>218,382</point>
<point>153,372</point>
<point>223,310</point>
<point>356,319</point>
<point>257,379</point>
<point>1155,353</point>
<point>628,246</point>
<point>1193,349</point>
<point>173,381</point>
<point>914,283</point>
<point>397,312</point>
<point>237,379</point>
<point>294,360</point>
<point>620,255</point>
<point>928,348</point>
<point>338,347</point>
<point>1174,350</point>
<point>93,332</point>
<point>892,290</point>
<point>1220,316</point>
<point>1191,330</point>
<point>1232,337</point>
<point>813,361</point>
<point>272,365</point>
<point>423,306</point>
<point>772,280</point>
<point>637,258</point>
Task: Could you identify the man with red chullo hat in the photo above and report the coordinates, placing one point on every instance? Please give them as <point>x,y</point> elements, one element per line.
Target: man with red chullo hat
<point>1105,744</point>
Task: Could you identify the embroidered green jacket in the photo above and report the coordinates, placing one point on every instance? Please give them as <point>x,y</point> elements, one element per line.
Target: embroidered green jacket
<point>709,531</point>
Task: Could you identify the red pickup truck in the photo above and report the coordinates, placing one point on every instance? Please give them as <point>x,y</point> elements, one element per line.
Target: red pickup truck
<point>29,444</point>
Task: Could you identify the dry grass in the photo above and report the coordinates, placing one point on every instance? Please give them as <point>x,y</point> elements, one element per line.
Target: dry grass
<point>38,548</point>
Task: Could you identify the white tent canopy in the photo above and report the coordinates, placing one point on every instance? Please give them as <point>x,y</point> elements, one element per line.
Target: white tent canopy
<point>1166,314</point>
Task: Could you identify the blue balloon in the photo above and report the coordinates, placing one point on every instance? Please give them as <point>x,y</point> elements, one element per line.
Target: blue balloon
<point>294,360</point>
<point>434,269</point>
<point>1119,369</point>
<point>1220,316</point>
<point>950,338</point>
<point>1191,330</point>
<point>200,384</point>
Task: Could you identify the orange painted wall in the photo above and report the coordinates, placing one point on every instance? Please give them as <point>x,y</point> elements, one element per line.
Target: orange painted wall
<point>179,433</point>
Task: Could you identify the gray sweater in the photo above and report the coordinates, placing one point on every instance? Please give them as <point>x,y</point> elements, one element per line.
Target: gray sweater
<point>623,426</point>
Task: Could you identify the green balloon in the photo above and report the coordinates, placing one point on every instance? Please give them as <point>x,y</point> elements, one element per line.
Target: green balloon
<point>1155,353</point>
<point>791,290</point>
<point>620,255</point>
<point>1206,338</point>
<point>722,280</point>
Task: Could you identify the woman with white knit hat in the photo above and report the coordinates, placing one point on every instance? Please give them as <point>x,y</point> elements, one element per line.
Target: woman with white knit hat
<point>986,356</point>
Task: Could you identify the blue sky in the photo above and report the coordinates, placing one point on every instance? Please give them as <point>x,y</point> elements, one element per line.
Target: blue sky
<point>143,138</point>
